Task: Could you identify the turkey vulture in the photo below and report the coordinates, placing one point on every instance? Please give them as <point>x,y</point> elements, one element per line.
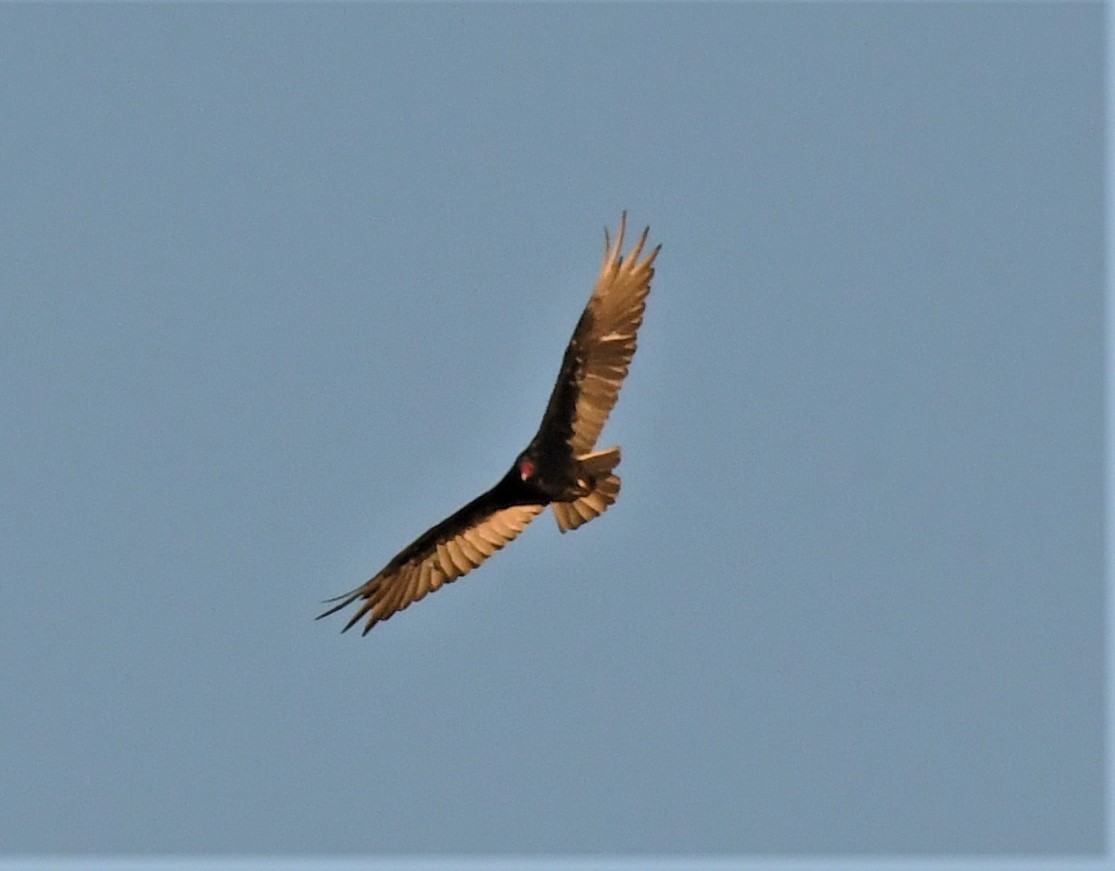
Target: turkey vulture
<point>560,467</point>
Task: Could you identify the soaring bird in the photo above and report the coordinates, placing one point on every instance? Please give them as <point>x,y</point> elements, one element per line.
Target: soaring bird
<point>560,467</point>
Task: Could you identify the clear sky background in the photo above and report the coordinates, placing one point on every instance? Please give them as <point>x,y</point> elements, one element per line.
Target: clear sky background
<point>280,287</point>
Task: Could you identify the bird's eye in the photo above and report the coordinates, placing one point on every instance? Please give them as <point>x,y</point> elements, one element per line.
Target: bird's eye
<point>526,469</point>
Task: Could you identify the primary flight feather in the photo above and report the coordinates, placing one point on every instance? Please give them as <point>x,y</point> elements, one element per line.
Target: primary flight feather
<point>560,467</point>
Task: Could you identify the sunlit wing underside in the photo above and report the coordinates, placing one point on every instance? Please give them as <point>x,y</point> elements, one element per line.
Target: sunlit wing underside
<point>441,555</point>
<point>604,341</point>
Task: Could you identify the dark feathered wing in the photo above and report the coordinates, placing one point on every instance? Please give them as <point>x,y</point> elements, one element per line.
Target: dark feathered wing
<point>442,554</point>
<point>600,352</point>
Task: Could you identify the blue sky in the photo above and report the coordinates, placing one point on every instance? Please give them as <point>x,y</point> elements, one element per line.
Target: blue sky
<point>282,286</point>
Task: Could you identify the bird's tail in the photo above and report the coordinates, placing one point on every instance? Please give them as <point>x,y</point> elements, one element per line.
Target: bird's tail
<point>599,466</point>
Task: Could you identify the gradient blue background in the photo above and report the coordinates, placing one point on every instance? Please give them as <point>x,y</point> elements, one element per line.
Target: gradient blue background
<point>282,286</point>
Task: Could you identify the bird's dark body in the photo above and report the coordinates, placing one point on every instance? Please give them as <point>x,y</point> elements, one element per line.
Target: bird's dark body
<point>560,467</point>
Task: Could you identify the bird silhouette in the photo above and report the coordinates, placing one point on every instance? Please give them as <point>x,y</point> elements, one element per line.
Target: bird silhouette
<point>560,467</point>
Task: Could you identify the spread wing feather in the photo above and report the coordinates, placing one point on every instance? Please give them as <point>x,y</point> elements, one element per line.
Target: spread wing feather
<point>599,354</point>
<point>442,554</point>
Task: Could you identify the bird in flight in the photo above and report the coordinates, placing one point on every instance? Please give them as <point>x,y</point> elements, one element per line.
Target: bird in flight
<point>560,467</point>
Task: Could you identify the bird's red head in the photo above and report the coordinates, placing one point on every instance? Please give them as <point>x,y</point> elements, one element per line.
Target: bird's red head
<point>526,469</point>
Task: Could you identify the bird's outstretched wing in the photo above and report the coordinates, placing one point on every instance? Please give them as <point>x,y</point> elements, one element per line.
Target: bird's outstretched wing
<point>442,554</point>
<point>599,354</point>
